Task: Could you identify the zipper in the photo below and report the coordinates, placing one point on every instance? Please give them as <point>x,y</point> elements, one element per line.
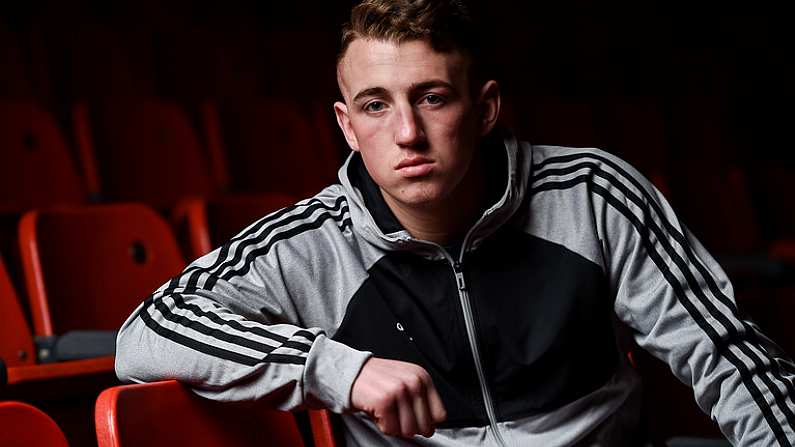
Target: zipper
<point>469,320</point>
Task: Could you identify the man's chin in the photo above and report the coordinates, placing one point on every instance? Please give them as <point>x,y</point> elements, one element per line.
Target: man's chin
<point>419,197</point>
<point>422,201</point>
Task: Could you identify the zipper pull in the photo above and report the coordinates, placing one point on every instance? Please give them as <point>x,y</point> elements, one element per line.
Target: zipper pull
<point>459,276</point>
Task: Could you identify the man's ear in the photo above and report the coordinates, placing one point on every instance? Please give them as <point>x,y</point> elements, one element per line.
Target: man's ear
<point>344,121</point>
<point>489,102</point>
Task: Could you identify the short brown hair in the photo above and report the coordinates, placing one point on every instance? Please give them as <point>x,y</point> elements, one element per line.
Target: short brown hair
<point>446,24</point>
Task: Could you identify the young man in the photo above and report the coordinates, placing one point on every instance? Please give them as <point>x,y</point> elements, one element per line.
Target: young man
<point>458,287</point>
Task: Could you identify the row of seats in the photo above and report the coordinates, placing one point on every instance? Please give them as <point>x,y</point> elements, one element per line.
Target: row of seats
<point>127,251</point>
<point>84,269</point>
<point>157,160</point>
<point>148,150</point>
<point>167,414</point>
<point>60,59</point>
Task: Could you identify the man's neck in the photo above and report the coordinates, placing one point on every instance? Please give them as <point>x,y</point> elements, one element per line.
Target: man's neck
<point>449,220</point>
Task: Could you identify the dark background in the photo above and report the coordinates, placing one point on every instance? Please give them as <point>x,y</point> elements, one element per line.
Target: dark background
<point>711,86</point>
<point>696,96</point>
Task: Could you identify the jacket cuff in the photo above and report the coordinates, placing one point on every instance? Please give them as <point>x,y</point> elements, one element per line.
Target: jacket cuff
<point>329,373</point>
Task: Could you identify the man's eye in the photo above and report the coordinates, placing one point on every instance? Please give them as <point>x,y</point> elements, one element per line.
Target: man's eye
<point>375,106</point>
<point>434,99</point>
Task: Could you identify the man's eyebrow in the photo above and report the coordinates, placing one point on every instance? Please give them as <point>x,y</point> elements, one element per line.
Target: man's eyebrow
<point>372,91</point>
<point>425,85</point>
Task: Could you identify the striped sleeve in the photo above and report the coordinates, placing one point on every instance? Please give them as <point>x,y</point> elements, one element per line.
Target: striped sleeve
<point>227,327</point>
<point>679,301</point>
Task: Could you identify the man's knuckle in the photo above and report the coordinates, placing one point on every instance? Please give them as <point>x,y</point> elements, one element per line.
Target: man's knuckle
<point>383,401</point>
<point>414,385</point>
<point>402,390</point>
<point>415,369</point>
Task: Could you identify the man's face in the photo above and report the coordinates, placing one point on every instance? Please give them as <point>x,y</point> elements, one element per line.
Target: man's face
<point>409,111</point>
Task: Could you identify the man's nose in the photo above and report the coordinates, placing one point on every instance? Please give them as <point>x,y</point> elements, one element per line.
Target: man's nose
<point>409,132</point>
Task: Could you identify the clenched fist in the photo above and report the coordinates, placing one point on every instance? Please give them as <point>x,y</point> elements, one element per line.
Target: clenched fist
<point>400,398</point>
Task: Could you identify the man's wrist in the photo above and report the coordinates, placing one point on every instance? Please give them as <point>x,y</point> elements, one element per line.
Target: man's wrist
<point>330,371</point>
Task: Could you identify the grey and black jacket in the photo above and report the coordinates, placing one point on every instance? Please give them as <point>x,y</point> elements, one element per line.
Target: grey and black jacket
<point>515,324</point>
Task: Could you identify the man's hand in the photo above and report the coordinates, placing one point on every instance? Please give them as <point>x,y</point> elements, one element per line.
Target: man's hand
<point>399,397</point>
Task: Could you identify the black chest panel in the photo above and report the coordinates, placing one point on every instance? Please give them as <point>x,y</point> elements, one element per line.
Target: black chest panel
<point>542,316</point>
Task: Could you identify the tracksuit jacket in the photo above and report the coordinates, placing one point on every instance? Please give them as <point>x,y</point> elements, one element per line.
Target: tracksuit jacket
<point>515,323</point>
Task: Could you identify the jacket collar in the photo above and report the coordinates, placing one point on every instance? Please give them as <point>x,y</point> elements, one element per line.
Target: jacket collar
<point>374,220</point>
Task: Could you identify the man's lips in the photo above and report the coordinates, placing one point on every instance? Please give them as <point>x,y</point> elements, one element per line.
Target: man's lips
<point>412,161</point>
<point>414,166</point>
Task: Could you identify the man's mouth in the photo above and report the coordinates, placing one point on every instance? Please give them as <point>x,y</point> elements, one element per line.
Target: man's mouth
<point>414,167</point>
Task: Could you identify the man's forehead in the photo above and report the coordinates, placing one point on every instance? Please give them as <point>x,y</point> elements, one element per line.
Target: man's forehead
<point>370,63</point>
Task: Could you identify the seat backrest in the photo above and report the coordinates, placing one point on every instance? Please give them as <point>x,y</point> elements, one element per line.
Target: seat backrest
<point>88,267</point>
<point>16,343</point>
<point>169,414</point>
<point>279,146</point>
<point>148,151</point>
<point>22,425</point>
<point>36,168</point>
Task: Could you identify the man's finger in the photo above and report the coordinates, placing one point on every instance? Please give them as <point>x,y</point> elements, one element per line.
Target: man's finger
<point>408,421</point>
<point>388,421</point>
<point>422,413</point>
<point>438,412</point>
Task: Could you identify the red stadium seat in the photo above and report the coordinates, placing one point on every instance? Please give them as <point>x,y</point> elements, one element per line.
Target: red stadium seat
<point>60,387</point>
<point>17,348</point>
<point>36,168</point>
<point>207,224</point>
<point>22,425</point>
<point>325,429</point>
<point>280,146</point>
<point>168,414</point>
<point>148,150</point>
<point>16,343</point>
<point>88,267</point>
